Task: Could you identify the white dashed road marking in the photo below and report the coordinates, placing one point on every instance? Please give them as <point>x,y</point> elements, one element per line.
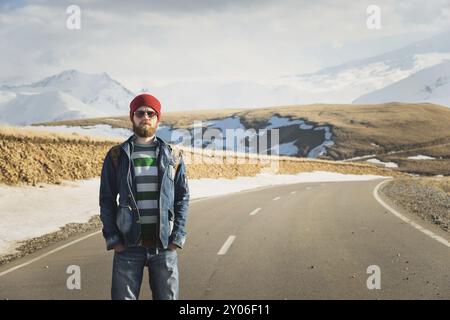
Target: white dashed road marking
<point>226,245</point>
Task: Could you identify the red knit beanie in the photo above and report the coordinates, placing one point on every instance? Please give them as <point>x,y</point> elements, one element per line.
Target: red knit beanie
<point>145,99</point>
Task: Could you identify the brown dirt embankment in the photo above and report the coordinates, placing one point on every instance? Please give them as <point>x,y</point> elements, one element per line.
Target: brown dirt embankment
<point>28,157</point>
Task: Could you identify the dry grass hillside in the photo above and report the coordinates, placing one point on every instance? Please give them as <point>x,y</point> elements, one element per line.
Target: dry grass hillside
<point>392,131</point>
<point>28,157</point>
<point>31,157</point>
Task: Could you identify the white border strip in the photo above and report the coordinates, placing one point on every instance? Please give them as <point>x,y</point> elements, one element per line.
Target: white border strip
<point>407,220</point>
<point>48,253</point>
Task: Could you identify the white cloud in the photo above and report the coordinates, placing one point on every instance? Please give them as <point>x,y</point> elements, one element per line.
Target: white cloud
<point>145,43</point>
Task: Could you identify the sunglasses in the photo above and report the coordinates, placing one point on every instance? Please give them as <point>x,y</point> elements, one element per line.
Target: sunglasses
<point>141,113</point>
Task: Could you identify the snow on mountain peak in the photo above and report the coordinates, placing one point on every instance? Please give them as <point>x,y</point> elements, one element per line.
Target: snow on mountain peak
<point>43,107</point>
<point>346,82</point>
<point>94,94</point>
<point>428,85</point>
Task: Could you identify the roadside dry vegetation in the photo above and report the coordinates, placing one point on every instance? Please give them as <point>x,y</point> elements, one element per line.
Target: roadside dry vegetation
<point>32,157</point>
<point>36,157</point>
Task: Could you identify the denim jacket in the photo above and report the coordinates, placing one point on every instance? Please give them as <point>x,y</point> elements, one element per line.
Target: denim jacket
<point>121,220</point>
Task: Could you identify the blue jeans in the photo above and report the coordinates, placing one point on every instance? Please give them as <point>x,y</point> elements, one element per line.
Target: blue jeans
<point>128,268</point>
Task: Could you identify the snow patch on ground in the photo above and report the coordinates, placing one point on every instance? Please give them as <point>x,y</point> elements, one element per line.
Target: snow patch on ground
<point>361,157</point>
<point>99,130</point>
<point>386,164</point>
<point>421,157</point>
<point>289,149</point>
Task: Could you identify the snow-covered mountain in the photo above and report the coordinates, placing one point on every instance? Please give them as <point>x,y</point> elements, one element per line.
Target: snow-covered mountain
<point>70,94</point>
<point>428,85</point>
<point>346,82</point>
<point>338,84</point>
<point>79,94</point>
<point>26,109</point>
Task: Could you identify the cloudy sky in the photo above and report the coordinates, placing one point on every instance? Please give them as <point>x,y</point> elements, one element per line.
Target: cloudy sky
<point>154,43</point>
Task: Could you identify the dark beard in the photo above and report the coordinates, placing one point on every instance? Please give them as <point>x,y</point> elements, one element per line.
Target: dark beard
<point>144,131</point>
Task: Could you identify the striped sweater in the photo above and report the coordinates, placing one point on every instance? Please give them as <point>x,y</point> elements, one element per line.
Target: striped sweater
<point>144,159</point>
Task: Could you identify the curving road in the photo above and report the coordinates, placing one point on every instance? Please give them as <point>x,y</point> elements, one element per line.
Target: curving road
<point>300,241</point>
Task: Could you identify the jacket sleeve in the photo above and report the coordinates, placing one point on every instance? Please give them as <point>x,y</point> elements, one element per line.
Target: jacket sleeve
<point>181,205</point>
<point>108,202</point>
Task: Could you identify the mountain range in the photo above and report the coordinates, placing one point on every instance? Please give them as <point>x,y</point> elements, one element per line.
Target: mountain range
<point>70,94</point>
<point>429,85</point>
<point>419,72</point>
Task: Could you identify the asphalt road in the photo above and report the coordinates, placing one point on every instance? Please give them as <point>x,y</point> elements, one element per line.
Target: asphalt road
<point>306,241</point>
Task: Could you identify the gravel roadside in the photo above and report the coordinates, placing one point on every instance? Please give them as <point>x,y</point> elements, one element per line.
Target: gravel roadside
<point>428,198</point>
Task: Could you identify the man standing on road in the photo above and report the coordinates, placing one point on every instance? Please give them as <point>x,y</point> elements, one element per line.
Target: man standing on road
<point>147,224</point>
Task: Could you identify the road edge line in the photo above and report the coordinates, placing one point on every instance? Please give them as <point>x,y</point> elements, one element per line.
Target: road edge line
<point>417,226</point>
